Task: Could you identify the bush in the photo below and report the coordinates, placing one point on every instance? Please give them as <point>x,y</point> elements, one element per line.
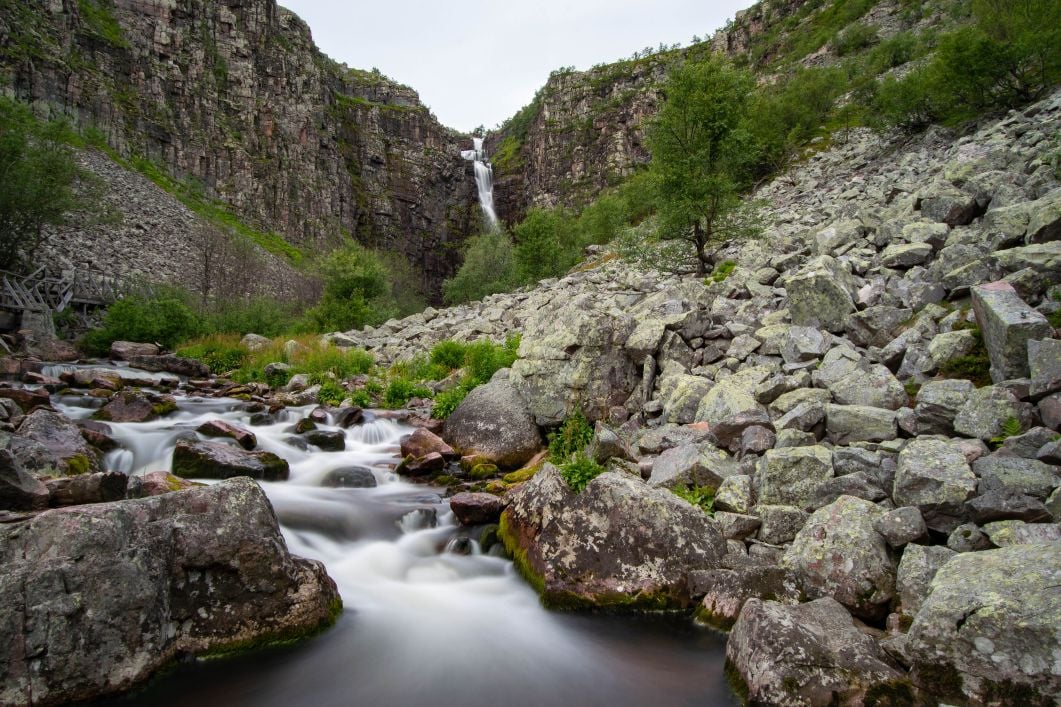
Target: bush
<point>356,291</point>
<point>545,245</point>
<point>484,358</point>
<point>400,390</point>
<point>489,267</point>
<point>164,319</point>
<point>855,38</point>
<point>266,316</point>
<point>579,471</point>
<point>448,353</point>
<point>448,400</point>
<point>220,352</point>
<point>331,393</point>
<point>573,436</point>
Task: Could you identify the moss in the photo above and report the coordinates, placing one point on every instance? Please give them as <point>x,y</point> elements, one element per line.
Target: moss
<point>483,471</point>
<point>1055,319</point>
<point>524,474</point>
<point>736,681</point>
<point>706,617</point>
<point>274,639</point>
<point>77,465</point>
<point>100,21</point>
<point>519,555</point>
<point>164,407</point>
<point>912,389</point>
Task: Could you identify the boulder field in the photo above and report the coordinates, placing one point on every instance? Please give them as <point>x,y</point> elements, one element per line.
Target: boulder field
<point>872,396</point>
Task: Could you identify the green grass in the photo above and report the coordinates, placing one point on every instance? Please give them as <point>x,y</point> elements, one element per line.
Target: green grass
<point>99,19</point>
<point>700,496</point>
<point>323,363</point>
<point>579,471</point>
<point>570,439</point>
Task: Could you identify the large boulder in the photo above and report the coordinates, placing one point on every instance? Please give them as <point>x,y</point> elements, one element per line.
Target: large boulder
<point>168,363</point>
<point>493,422</point>
<point>988,633</point>
<point>1007,323</point>
<point>917,568</point>
<point>732,396</point>
<point>874,386</point>
<point>136,406</point>
<point>933,475</point>
<point>217,460</point>
<point>691,465</point>
<point>618,543</point>
<point>839,554</point>
<point>988,409</point>
<point>571,357</point>
<point>810,654</point>
<point>19,489</point>
<point>140,583</point>
<point>821,294</point>
<point>726,590</point>
<point>123,350</point>
<point>938,402</point>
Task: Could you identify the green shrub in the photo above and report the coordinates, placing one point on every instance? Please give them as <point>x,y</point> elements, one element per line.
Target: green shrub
<point>448,400</point>
<point>571,438</point>
<point>579,471</point>
<point>164,319</point>
<point>362,398</point>
<point>400,390</point>
<point>356,291</point>
<point>266,316</point>
<point>722,271</point>
<point>331,393</point>
<point>489,267</point>
<point>855,38</point>
<point>484,358</point>
<point>448,353</point>
<point>700,496</point>
<point>220,352</point>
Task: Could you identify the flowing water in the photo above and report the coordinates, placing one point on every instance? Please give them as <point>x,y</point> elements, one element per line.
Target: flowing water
<point>429,618</point>
<point>484,179</point>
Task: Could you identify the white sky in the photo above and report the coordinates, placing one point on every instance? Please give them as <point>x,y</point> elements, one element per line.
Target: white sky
<point>479,61</point>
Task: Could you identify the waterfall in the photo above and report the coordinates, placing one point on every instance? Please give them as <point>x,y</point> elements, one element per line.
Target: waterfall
<point>484,180</point>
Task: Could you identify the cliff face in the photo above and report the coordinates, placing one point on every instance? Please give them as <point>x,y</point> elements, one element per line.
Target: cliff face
<point>236,96</point>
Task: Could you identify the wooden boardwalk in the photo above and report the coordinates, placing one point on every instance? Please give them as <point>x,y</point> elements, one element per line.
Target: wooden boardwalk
<point>45,291</point>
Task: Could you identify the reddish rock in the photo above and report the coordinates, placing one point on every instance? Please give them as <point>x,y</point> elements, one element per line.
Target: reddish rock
<point>171,364</point>
<point>52,384</point>
<point>156,483</point>
<point>133,406</point>
<point>220,428</point>
<point>97,434</point>
<point>86,488</point>
<point>422,466</point>
<point>476,508</point>
<point>216,460</point>
<point>26,399</point>
<point>422,442</point>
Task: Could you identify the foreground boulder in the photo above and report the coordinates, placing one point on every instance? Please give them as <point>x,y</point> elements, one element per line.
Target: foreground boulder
<point>493,422</point>
<point>988,633</point>
<point>65,450</point>
<point>810,654</point>
<point>142,582</point>
<point>619,543</point>
<point>216,460</point>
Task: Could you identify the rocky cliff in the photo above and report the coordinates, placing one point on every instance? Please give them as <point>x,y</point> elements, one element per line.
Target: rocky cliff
<point>236,96</point>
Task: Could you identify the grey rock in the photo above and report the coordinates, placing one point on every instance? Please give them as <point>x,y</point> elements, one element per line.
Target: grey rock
<point>1005,533</point>
<point>847,424</point>
<point>736,526</point>
<point>780,523</point>
<point>1014,474</point>
<point>810,654</point>
<point>987,410</point>
<point>199,571</point>
<point>804,417</point>
<point>1028,444</point>
<point>620,541</point>
<point>917,567</point>
<point>1044,218</point>
<point>52,443</point>
<point>821,294</point>
<point>686,392</point>
<point>992,616</point>
<point>1007,324</point>
<point>729,431</point>
<point>100,487</point>
<point>876,326</point>
<point>122,350</point>
<point>476,508</point>
<point>905,255</point>
<point>732,396</point>
<point>355,477</point>
<point>945,204</point>
<point>692,465</point>
<point>756,440</point>
<point>494,422</point>
<point>1044,366</point>
<point>19,489</point>
<point>938,403</point>
<point>804,343</point>
<point>607,444</point>
<point>216,460</point>
<point>950,345</point>
<point>901,526</point>
<point>725,591</point>
<point>859,485</point>
<point>1002,504</point>
<point>735,494</point>
<point>933,476</point>
<point>838,554</point>
<point>790,476</point>
<point>968,537</point>
<point>875,386</point>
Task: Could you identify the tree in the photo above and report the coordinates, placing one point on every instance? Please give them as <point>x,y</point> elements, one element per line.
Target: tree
<point>37,179</point>
<point>489,267</point>
<point>356,291</point>
<point>701,155</point>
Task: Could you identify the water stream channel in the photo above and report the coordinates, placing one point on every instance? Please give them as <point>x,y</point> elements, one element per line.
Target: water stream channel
<point>429,618</point>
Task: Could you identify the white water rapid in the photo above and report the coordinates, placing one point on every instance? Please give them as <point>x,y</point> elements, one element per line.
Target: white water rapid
<point>430,619</point>
<point>484,179</point>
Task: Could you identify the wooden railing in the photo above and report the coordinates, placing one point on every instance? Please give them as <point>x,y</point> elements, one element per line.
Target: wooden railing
<point>41,290</point>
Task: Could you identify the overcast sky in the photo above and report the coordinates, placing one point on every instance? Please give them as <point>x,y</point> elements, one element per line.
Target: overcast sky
<point>476,62</point>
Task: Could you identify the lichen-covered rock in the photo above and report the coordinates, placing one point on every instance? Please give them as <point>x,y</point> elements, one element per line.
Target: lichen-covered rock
<point>810,654</point>
<point>1004,533</point>
<point>790,476</point>
<point>19,489</point>
<point>839,554</point>
<point>1004,504</point>
<point>938,402</point>
<point>858,423</point>
<point>217,460</point>
<point>917,567</point>
<point>123,350</point>
<point>933,475</point>
<point>876,326</point>
<point>820,294</point>
<point>1016,475</point>
<point>619,543</point>
<point>905,255</point>
<point>683,398</point>
<point>735,494</point>
<point>780,523</point>
<point>732,396</point>
<point>1007,323</point>
<point>142,582</point>
<point>691,465</point>
<point>875,386</point>
<point>990,624</point>
<point>725,591</point>
<point>136,406</point>
<point>493,421</point>
<point>901,526</point>
<point>1044,366</point>
<point>950,345</point>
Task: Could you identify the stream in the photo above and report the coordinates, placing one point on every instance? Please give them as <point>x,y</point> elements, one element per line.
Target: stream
<point>429,618</point>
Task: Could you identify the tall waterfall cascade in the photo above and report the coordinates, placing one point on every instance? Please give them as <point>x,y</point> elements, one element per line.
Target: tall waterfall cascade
<point>484,180</point>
